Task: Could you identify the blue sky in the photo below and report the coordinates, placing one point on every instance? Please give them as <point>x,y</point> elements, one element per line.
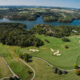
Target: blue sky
<point>58,3</point>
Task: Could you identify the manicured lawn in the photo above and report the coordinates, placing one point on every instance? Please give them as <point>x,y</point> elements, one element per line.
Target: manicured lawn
<point>65,61</point>
<point>43,70</point>
<point>68,56</point>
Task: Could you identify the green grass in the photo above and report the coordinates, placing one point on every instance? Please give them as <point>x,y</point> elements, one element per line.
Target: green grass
<point>4,71</point>
<point>13,60</point>
<point>43,70</point>
<point>68,57</point>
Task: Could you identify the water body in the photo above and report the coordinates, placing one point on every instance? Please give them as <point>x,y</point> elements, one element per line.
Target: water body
<point>30,24</point>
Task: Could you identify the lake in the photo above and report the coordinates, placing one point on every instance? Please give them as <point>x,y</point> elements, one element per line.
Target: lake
<point>30,24</point>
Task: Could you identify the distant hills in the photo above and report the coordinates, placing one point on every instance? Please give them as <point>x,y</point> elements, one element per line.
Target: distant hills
<point>16,6</point>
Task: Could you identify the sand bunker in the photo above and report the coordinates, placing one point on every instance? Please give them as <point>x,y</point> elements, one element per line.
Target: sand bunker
<point>52,50</point>
<point>57,53</point>
<point>33,50</point>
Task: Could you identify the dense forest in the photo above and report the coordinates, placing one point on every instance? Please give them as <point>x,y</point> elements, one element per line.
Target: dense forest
<point>19,14</point>
<point>48,14</point>
<point>16,34</point>
<point>60,17</point>
<point>56,31</point>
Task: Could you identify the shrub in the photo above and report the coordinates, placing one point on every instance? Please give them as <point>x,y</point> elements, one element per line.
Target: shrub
<point>47,41</point>
<point>77,71</point>
<point>26,57</point>
<point>14,78</point>
<point>65,72</point>
<point>76,66</point>
<point>30,72</point>
<point>60,72</point>
<point>65,39</point>
<point>11,78</point>
<point>56,70</point>
<point>66,46</point>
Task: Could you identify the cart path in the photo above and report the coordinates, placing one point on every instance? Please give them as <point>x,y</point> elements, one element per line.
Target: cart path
<point>8,68</point>
<point>52,65</point>
<point>29,67</point>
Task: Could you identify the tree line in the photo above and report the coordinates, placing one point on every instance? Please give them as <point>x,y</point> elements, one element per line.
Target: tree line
<point>16,34</point>
<point>58,31</point>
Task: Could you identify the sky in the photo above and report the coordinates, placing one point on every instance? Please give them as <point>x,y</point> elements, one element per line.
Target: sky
<point>54,3</point>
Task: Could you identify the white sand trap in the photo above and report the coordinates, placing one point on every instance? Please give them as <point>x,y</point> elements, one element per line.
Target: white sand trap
<point>57,53</point>
<point>52,50</point>
<point>33,50</point>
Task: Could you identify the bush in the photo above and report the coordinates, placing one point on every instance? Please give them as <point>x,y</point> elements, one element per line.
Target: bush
<point>76,66</point>
<point>65,72</point>
<point>78,71</point>
<point>65,39</point>
<point>14,78</point>
<point>60,72</point>
<point>56,70</point>
<point>26,57</point>
<point>30,72</point>
<point>47,41</point>
<point>66,46</point>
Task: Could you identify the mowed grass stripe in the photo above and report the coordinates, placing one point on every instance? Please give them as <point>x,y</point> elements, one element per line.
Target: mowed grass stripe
<point>4,71</point>
<point>68,56</point>
<point>16,65</point>
<point>45,72</point>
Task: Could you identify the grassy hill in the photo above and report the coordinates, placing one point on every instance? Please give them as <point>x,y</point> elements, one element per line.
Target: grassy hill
<point>15,64</point>
<point>68,56</point>
<point>65,61</point>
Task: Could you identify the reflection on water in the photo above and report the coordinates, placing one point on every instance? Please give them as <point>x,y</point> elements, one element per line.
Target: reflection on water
<point>30,24</point>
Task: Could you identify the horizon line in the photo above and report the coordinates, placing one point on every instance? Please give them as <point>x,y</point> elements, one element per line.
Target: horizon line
<point>42,6</point>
